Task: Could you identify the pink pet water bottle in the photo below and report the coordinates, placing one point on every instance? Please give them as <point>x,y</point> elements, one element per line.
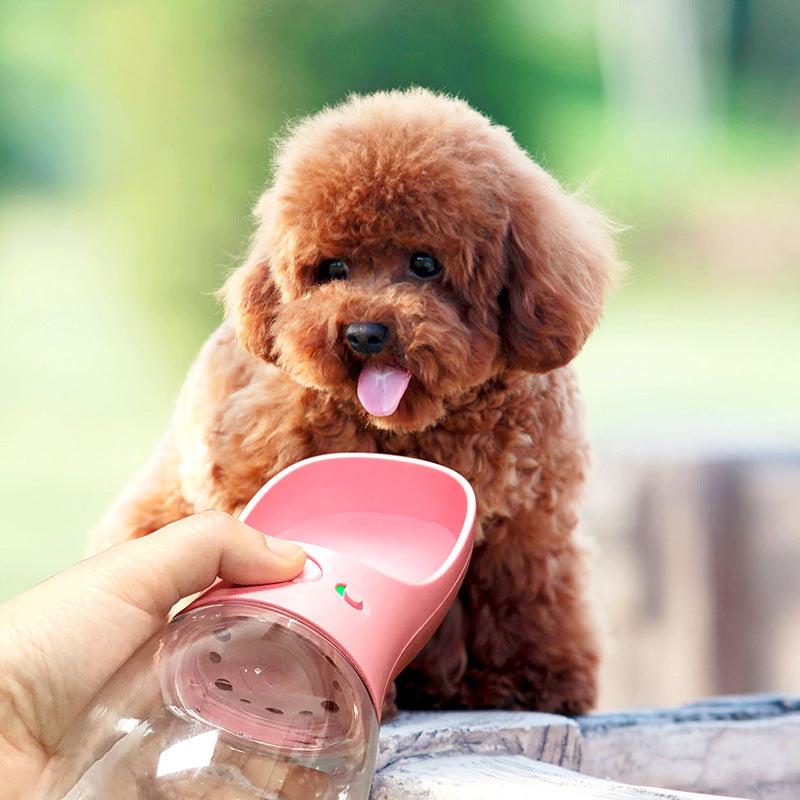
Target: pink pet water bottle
<point>276,691</point>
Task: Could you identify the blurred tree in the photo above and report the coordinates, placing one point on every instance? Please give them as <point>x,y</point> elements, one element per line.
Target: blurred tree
<point>509,59</point>
<point>169,108</point>
<point>194,91</point>
<point>765,60</point>
<point>39,115</point>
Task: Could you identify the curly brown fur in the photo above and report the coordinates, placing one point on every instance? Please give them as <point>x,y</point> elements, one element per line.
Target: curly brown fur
<point>487,344</point>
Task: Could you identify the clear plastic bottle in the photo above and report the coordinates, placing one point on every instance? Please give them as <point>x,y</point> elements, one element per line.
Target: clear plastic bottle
<point>230,701</point>
<point>274,692</point>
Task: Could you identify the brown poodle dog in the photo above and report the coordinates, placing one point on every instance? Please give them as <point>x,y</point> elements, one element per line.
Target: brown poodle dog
<point>416,286</point>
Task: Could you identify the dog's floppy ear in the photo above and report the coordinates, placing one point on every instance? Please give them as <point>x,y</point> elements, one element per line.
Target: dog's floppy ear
<point>560,261</point>
<point>251,296</point>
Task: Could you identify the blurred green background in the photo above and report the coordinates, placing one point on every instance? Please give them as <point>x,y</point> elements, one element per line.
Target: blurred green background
<point>135,137</point>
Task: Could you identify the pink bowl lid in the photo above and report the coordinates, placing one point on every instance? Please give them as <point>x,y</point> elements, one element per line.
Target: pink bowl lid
<point>388,541</point>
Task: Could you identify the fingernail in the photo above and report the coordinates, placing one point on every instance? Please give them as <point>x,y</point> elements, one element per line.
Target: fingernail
<point>283,547</point>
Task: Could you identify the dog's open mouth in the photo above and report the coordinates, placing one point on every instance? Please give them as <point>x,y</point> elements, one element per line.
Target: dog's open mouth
<point>381,388</point>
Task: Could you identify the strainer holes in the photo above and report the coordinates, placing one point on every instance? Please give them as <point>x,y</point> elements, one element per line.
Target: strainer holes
<point>273,710</point>
<point>214,657</point>
<point>244,700</point>
<point>336,685</point>
<point>331,706</point>
<point>223,684</point>
<point>306,713</point>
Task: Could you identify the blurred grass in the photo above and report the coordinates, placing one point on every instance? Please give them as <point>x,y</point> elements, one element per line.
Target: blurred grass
<point>82,397</point>
<point>140,136</point>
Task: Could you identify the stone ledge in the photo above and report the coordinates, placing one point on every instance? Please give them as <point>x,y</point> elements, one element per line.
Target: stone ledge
<point>478,777</point>
<point>715,709</point>
<point>733,746</point>
<point>746,746</point>
<point>542,737</point>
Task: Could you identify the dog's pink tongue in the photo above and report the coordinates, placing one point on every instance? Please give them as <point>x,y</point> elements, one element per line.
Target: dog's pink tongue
<point>381,387</point>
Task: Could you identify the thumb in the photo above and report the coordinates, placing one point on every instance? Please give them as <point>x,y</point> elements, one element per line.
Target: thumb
<point>186,556</point>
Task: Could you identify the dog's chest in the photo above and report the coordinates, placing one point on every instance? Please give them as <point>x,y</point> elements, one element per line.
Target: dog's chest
<point>498,447</point>
<point>500,462</point>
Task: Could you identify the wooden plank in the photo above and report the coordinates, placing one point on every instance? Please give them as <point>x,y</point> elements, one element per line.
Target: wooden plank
<point>733,533</point>
<point>696,575</point>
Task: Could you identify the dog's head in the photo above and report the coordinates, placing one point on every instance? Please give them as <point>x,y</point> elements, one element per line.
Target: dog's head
<point>407,252</point>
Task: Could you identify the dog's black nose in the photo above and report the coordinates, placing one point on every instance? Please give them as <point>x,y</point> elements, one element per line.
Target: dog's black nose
<point>367,337</point>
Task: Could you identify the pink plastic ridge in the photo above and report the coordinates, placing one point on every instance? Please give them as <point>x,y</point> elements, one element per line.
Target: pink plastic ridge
<point>388,540</point>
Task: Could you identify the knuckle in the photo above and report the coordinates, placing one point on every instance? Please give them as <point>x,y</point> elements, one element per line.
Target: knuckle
<point>208,523</point>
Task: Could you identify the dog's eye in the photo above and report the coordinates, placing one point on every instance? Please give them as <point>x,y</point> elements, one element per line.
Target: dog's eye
<point>332,269</point>
<point>424,266</point>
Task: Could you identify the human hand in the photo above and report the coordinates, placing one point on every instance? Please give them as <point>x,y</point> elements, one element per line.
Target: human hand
<point>61,640</point>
